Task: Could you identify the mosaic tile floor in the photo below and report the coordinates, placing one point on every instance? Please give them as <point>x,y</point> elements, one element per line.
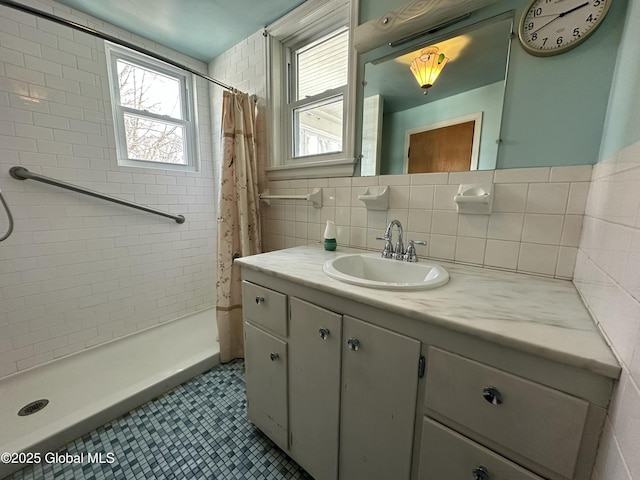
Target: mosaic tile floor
<point>198,430</point>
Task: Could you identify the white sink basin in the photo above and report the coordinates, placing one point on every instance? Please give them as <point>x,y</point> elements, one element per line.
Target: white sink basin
<point>373,271</point>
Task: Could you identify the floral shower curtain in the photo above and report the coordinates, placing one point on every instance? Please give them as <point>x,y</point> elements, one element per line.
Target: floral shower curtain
<point>238,218</point>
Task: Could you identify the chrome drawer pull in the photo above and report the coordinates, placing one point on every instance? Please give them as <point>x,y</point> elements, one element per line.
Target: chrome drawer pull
<point>353,344</point>
<point>274,356</point>
<point>324,333</point>
<point>492,395</point>
<point>259,300</point>
<point>481,473</point>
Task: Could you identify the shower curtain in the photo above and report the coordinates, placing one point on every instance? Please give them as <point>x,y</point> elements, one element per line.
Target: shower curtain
<point>238,218</point>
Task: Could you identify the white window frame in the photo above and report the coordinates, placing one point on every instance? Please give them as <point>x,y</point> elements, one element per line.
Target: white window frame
<point>308,23</point>
<point>188,101</point>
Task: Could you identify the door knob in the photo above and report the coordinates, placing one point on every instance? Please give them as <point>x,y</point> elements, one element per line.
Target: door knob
<point>353,344</point>
<point>324,333</point>
<point>259,300</point>
<point>274,356</point>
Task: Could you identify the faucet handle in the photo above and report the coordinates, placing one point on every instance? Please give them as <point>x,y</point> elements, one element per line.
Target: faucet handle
<point>410,255</point>
<point>387,251</point>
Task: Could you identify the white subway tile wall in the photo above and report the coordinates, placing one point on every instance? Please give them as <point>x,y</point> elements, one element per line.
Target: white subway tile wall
<point>243,67</point>
<point>535,227</point>
<point>607,274</point>
<point>78,271</point>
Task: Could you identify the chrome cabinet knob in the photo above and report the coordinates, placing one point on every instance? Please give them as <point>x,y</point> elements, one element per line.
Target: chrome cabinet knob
<point>259,300</point>
<point>492,395</point>
<point>353,344</point>
<point>274,356</point>
<point>324,333</point>
<point>480,473</point>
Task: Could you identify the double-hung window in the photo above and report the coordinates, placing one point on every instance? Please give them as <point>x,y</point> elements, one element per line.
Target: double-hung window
<point>309,92</point>
<point>153,110</point>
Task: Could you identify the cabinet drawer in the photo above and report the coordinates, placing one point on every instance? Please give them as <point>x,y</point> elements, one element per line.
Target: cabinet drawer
<point>448,455</point>
<point>265,307</point>
<point>537,422</point>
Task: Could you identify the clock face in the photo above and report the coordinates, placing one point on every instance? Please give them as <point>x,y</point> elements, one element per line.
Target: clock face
<point>550,27</point>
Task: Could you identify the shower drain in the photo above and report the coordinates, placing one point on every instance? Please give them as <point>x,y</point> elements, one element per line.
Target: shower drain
<point>33,407</point>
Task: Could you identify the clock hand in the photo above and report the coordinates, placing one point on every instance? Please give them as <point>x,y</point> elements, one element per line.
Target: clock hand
<point>574,9</point>
<point>550,21</point>
<point>561,15</point>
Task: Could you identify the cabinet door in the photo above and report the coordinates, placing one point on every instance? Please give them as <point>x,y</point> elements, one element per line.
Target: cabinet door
<point>314,388</point>
<point>266,383</point>
<point>379,388</point>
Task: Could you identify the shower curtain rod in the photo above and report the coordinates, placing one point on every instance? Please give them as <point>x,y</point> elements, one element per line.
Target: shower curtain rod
<point>110,38</point>
<point>21,173</point>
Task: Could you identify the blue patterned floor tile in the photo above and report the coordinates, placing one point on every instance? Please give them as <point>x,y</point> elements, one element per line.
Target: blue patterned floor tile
<point>199,430</point>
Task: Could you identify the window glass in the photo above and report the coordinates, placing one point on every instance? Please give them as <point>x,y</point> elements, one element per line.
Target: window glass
<point>153,110</point>
<point>322,65</point>
<point>150,91</point>
<point>154,140</point>
<point>319,128</point>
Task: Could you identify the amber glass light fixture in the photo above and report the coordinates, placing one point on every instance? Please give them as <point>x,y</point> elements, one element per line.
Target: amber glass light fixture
<point>428,66</point>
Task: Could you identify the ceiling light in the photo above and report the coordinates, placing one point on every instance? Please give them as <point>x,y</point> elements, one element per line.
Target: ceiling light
<point>428,66</point>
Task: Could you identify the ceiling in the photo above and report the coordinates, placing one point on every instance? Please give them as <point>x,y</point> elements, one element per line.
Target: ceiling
<point>202,29</point>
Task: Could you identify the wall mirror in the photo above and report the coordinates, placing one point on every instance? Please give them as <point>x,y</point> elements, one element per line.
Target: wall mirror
<point>406,131</point>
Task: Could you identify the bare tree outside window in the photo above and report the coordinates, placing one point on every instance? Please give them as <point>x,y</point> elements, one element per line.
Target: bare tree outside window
<point>154,112</point>
<point>151,100</point>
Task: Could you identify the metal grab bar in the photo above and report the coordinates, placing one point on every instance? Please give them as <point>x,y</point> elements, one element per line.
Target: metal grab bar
<point>21,173</point>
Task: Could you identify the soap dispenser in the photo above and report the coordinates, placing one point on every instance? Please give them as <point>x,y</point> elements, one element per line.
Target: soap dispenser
<point>330,236</point>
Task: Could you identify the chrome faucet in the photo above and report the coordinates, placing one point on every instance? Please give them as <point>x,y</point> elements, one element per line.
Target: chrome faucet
<point>389,251</point>
<point>398,252</point>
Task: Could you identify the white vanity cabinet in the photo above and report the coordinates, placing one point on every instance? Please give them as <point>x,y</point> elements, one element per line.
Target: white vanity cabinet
<point>449,384</point>
<point>335,392</point>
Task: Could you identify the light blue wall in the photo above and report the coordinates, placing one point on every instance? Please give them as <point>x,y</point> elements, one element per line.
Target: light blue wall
<point>554,107</point>
<point>487,99</point>
<point>622,124</point>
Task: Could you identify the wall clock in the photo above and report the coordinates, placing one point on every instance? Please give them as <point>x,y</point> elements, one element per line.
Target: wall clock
<point>551,27</point>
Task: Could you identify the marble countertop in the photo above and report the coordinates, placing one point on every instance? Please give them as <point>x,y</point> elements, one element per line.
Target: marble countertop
<point>542,316</point>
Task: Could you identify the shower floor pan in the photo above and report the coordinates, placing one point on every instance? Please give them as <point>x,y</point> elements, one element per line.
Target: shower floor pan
<point>92,387</point>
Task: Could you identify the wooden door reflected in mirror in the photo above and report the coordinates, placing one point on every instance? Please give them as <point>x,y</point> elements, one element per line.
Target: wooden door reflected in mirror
<point>448,146</point>
<point>446,149</point>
